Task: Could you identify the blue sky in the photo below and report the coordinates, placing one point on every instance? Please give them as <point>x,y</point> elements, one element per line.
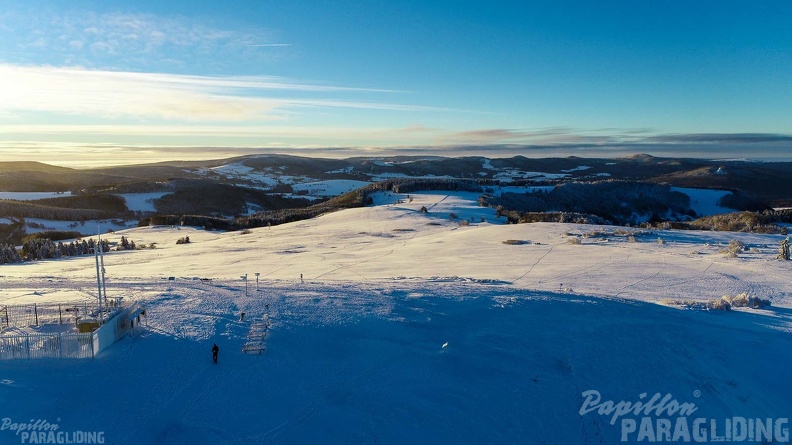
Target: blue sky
<point>119,82</point>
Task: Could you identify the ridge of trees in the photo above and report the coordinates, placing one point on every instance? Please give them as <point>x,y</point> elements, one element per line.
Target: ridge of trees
<point>41,248</point>
<point>44,248</point>
<point>612,201</point>
<point>45,210</point>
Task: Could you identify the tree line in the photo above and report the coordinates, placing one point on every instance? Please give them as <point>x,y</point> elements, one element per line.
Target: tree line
<point>616,201</point>
<point>44,248</point>
<point>24,209</point>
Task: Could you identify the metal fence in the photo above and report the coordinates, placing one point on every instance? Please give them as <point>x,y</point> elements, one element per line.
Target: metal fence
<point>46,346</point>
<point>23,315</point>
<point>16,343</point>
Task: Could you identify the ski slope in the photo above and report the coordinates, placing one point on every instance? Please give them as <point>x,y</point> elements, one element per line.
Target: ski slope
<point>355,353</point>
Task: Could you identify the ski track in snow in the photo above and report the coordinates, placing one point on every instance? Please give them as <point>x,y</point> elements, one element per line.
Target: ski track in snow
<point>538,260</point>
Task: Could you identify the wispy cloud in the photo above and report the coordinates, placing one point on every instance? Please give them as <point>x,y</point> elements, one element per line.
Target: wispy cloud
<point>539,137</point>
<point>720,138</point>
<point>175,98</point>
<point>269,45</point>
<point>504,134</point>
<point>102,94</point>
<point>125,40</point>
<point>608,137</point>
<point>223,135</point>
<point>606,142</point>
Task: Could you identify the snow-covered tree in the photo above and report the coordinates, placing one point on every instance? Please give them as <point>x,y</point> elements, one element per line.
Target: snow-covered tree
<point>783,250</point>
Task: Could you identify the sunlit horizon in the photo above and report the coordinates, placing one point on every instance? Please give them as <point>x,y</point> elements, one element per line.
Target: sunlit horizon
<point>82,157</point>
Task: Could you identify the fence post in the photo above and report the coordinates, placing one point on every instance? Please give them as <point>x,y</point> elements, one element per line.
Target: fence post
<point>92,344</point>
<point>60,345</point>
<point>60,314</point>
<point>6,312</point>
<point>27,345</point>
<point>35,312</point>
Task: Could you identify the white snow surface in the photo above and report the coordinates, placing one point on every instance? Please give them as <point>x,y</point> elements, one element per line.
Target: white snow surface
<point>32,196</point>
<point>391,175</point>
<point>87,227</point>
<point>142,201</point>
<point>705,201</point>
<point>357,349</point>
<point>233,169</point>
<point>333,187</point>
<point>240,172</point>
<point>577,169</point>
<point>509,174</point>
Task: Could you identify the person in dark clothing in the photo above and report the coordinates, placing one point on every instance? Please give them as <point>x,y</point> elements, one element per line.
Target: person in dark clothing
<point>215,350</point>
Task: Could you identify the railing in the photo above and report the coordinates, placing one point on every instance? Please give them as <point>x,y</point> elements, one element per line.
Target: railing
<point>23,315</point>
<point>46,346</point>
<point>22,345</point>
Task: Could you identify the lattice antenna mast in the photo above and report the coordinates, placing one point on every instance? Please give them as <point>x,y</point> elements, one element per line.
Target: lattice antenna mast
<point>101,264</point>
<point>98,277</point>
<point>101,280</point>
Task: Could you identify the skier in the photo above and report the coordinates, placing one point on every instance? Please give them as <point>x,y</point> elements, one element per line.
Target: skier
<point>215,350</point>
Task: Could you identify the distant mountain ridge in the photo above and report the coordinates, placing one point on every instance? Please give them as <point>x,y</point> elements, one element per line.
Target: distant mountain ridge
<point>765,181</point>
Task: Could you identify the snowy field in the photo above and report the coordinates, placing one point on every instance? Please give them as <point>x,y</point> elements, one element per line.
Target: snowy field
<point>32,196</point>
<point>705,201</point>
<point>134,201</point>
<point>143,202</point>
<point>86,227</point>
<point>333,187</point>
<point>266,178</point>
<point>412,327</point>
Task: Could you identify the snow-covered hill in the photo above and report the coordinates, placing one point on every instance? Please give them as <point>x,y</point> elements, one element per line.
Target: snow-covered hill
<point>532,319</point>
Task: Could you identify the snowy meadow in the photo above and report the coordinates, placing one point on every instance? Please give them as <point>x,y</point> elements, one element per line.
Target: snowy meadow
<point>390,325</point>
